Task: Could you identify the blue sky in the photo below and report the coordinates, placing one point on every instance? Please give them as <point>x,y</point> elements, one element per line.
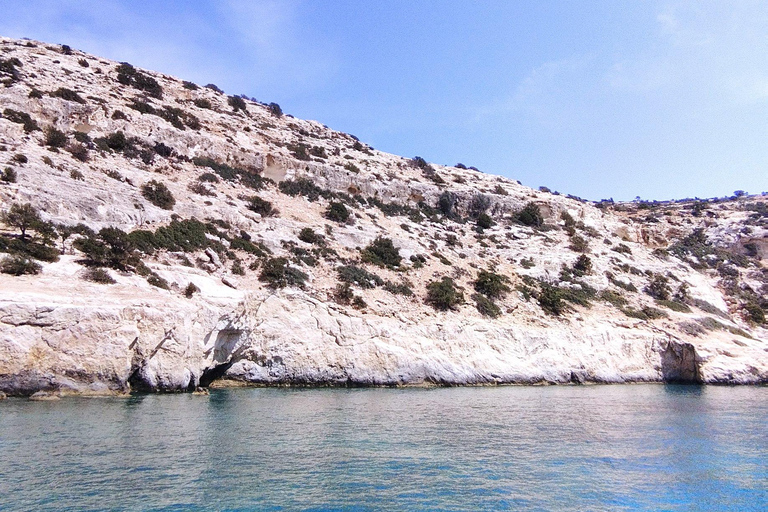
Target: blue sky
<point>657,99</point>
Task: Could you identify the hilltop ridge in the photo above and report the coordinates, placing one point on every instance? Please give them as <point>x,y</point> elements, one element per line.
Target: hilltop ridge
<point>179,236</point>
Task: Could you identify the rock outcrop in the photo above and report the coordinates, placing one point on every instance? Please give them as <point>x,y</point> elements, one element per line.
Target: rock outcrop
<point>209,313</point>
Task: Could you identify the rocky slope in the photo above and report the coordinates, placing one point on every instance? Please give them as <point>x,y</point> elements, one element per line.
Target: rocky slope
<point>252,246</point>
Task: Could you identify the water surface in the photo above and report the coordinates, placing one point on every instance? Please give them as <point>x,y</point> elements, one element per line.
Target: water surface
<point>635,447</point>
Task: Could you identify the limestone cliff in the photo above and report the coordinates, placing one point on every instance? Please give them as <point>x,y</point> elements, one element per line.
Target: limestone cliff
<point>274,220</point>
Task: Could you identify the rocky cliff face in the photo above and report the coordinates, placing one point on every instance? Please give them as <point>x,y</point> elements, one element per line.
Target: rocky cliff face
<point>252,246</point>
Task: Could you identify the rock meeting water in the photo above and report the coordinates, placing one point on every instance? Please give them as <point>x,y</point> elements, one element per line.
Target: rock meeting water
<point>634,447</point>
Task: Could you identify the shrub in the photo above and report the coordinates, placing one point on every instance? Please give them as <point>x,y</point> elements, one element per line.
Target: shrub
<point>190,290</point>
<point>491,284</point>
<point>119,114</point>
<point>755,313</point>
<point>203,103</point>
<point>98,275</point>
<point>579,244</point>
<point>55,138</point>
<point>17,266</point>
<point>275,110</point>
<point>8,69</point>
<point>261,206</point>
<point>337,212</point>
<point>447,203</point>
<point>237,268</point>
<point>622,248</point>
<point>551,300</point>
<point>358,276</point>
<point>583,265</point>
<point>277,274</point>
<point>190,86</point>
<point>613,298</point>
<point>484,221</point>
<point>300,151</point>
<point>237,103</point>
<point>20,158</point>
<point>343,293</point>
<point>128,75</point>
<point>674,306</point>
<point>214,88</point>
<point>83,63</point>
<point>9,175</point>
<point>486,306</point>
<point>35,93</point>
<point>22,217</point>
<point>301,187</point>
<point>158,194</point>
<point>14,116</point>
<point>208,177</point>
<point>479,205</point>
<point>156,280</point>
<point>403,288</point>
<point>309,236</point>
<point>530,215</point>
<point>444,294</point>
<point>382,252</point>
<point>658,287</point>
<point>67,95</point>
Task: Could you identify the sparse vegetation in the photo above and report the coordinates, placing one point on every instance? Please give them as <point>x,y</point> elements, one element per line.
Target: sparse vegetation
<point>18,265</point>
<point>128,75</point>
<point>15,116</point>
<point>491,284</point>
<point>358,276</point>
<point>278,274</point>
<point>158,194</point>
<point>530,215</point>
<point>98,275</point>
<point>55,138</point>
<point>68,95</point>
<point>382,252</point>
<point>444,295</point>
<point>261,206</point>
<point>337,212</point>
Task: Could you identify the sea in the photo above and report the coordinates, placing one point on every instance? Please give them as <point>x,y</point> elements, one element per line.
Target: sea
<point>530,448</point>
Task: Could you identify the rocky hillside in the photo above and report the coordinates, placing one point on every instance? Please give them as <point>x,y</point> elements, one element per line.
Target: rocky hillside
<point>162,235</point>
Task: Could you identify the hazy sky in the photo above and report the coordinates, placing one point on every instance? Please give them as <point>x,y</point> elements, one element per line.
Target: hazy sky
<point>598,98</point>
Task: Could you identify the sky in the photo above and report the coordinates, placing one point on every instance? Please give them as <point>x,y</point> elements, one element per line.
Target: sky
<point>599,98</point>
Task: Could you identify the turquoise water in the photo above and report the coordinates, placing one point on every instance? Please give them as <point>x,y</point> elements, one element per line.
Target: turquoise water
<point>636,447</point>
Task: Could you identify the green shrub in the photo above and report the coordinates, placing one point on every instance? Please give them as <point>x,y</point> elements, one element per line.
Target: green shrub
<point>158,194</point>
<point>444,295</point>
<point>613,298</point>
<point>237,268</point>
<point>491,284</point>
<point>190,86</point>
<point>20,158</point>
<point>67,95</point>
<point>55,138</point>
<point>583,265</point>
<point>674,306</point>
<point>203,103</point>
<point>403,288</point>
<point>343,293</point>
<point>78,151</point>
<point>358,276</point>
<point>484,221</point>
<point>14,116</point>
<point>382,252</point>
<point>35,93</point>
<point>119,114</point>
<point>112,248</point>
<point>579,244</point>
<point>309,236</point>
<point>9,71</point>
<point>622,248</point>
<point>337,212</point>
<point>277,274</point>
<point>17,266</point>
<point>261,206</point>
<point>9,175</point>
<point>237,103</point>
<point>191,290</point>
<point>128,75</point>
<point>22,217</point>
<point>658,287</point>
<point>447,204</point>
<point>275,110</point>
<point>98,275</point>
<point>551,300</point>
<point>755,313</point>
<point>302,187</point>
<point>486,306</point>
<point>156,280</point>
<point>530,215</point>
<point>300,151</point>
